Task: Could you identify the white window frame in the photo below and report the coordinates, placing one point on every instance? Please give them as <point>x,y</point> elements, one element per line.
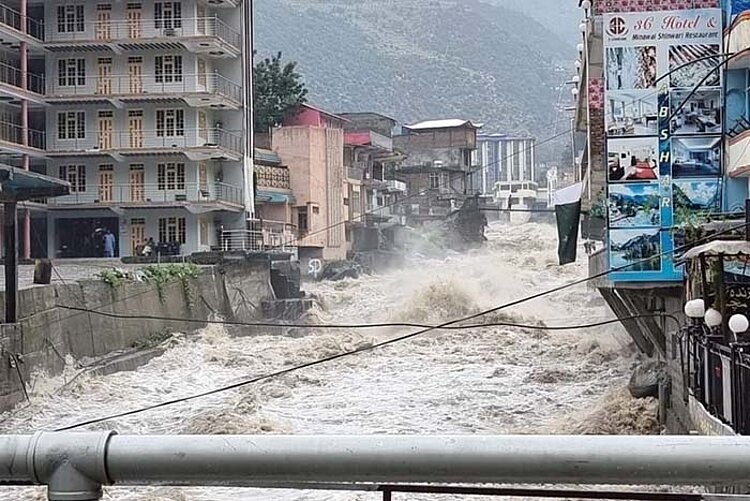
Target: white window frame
<point>170,176</point>
<point>168,68</point>
<point>170,122</point>
<point>71,125</point>
<point>74,174</point>
<point>71,72</point>
<point>71,18</point>
<point>172,226</point>
<point>167,15</point>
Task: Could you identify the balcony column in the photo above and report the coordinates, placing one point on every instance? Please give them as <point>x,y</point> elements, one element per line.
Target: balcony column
<point>26,225</point>
<point>24,10</point>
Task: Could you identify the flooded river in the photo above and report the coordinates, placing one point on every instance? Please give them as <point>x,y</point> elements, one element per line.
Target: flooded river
<point>486,381</point>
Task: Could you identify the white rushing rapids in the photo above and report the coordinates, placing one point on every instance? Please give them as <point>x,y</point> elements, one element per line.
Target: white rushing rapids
<point>490,381</point>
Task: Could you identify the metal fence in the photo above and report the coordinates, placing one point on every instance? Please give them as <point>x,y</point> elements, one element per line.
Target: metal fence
<point>264,236</point>
<point>718,376</point>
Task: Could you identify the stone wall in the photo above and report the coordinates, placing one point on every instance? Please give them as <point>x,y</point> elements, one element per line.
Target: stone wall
<point>48,332</point>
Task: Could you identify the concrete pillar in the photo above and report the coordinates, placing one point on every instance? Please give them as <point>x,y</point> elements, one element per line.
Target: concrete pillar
<point>11,261</point>
<point>24,10</point>
<point>24,49</point>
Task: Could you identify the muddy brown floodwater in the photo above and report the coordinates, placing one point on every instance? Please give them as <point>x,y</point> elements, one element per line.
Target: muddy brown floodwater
<point>489,381</point>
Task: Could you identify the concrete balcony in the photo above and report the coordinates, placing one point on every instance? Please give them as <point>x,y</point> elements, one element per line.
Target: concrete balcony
<point>14,140</point>
<point>195,144</point>
<point>203,35</point>
<point>13,84</point>
<point>737,40</point>
<point>150,195</point>
<point>197,90</point>
<point>15,29</point>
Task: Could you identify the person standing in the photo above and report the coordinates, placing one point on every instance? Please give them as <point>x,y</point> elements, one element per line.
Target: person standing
<point>109,244</point>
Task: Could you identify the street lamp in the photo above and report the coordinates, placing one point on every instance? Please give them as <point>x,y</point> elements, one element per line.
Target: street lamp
<point>695,309</point>
<point>738,324</point>
<point>712,318</point>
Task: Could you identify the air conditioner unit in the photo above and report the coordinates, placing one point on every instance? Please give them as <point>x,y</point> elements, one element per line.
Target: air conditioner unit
<point>169,32</point>
<point>437,164</point>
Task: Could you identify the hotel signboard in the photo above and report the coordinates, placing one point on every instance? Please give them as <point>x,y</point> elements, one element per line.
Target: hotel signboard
<point>663,123</point>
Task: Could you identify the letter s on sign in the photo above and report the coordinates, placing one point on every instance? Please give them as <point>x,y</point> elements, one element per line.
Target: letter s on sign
<point>315,266</point>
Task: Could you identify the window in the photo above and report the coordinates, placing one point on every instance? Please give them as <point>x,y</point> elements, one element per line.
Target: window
<point>172,229</point>
<point>71,72</point>
<point>316,210</point>
<point>434,180</point>
<point>302,220</point>
<point>168,69</point>
<point>171,176</point>
<point>75,175</point>
<point>70,19</point>
<point>71,125</point>
<point>167,15</point>
<point>170,123</point>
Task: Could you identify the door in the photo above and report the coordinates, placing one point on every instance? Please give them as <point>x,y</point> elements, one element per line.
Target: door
<point>203,180</point>
<point>104,75</point>
<point>137,234</point>
<point>106,184</point>
<point>135,21</point>
<point>137,187</point>
<point>104,130</point>
<point>103,21</point>
<point>203,126</point>
<point>202,77</point>
<point>135,74</point>
<point>135,128</point>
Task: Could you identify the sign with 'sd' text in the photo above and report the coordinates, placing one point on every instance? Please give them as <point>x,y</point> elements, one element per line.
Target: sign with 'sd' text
<point>663,120</point>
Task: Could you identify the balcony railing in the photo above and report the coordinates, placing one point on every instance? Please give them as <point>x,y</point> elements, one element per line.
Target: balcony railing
<point>268,236</point>
<point>14,19</point>
<point>396,186</point>
<point>14,133</point>
<point>128,86</point>
<point>129,140</point>
<point>269,176</point>
<point>151,193</point>
<point>149,30</point>
<point>12,76</point>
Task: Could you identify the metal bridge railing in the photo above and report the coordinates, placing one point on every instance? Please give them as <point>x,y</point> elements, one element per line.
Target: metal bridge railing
<point>77,465</point>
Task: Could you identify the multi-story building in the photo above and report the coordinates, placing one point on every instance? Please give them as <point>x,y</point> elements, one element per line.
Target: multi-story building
<point>22,100</point>
<point>502,157</point>
<point>372,190</point>
<point>438,167</point>
<point>311,143</point>
<point>274,203</point>
<point>144,113</point>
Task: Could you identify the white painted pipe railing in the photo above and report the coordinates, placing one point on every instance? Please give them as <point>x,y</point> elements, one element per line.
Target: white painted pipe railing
<point>74,466</point>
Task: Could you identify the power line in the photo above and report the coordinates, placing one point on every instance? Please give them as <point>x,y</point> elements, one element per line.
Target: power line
<point>350,326</point>
<point>390,341</point>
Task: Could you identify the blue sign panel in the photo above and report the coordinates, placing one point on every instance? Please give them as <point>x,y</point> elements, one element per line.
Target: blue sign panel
<point>663,124</point>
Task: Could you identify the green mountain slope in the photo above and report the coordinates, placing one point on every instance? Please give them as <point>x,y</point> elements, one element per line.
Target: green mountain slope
<point>419,59</point>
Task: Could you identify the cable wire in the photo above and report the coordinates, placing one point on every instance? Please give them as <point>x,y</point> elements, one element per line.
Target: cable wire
<point>351,326</point>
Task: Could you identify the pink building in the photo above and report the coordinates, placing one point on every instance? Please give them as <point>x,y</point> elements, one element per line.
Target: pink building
<point>311,144</point>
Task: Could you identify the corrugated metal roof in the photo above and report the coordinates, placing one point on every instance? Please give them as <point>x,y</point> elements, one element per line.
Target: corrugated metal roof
<point>267,156</point>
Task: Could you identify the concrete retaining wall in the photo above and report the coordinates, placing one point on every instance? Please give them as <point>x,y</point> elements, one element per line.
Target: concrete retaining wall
<point>235,290</point>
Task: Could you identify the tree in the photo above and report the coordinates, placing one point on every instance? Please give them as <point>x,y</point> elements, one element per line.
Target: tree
<point>277,89</point>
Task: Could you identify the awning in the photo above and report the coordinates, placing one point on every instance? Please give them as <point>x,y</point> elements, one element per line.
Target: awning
<point>18,185</point>
<point>274,197</point>
<point>717,247</point>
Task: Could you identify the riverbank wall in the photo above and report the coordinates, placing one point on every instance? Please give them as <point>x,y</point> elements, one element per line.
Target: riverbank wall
<point>50,331</point>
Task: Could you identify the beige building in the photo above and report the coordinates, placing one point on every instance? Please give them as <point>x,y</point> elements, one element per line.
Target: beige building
<point>311,144</point>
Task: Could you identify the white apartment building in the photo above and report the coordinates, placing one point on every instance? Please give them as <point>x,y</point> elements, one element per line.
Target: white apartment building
<point>141,106</point>
<point>501,157</point>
